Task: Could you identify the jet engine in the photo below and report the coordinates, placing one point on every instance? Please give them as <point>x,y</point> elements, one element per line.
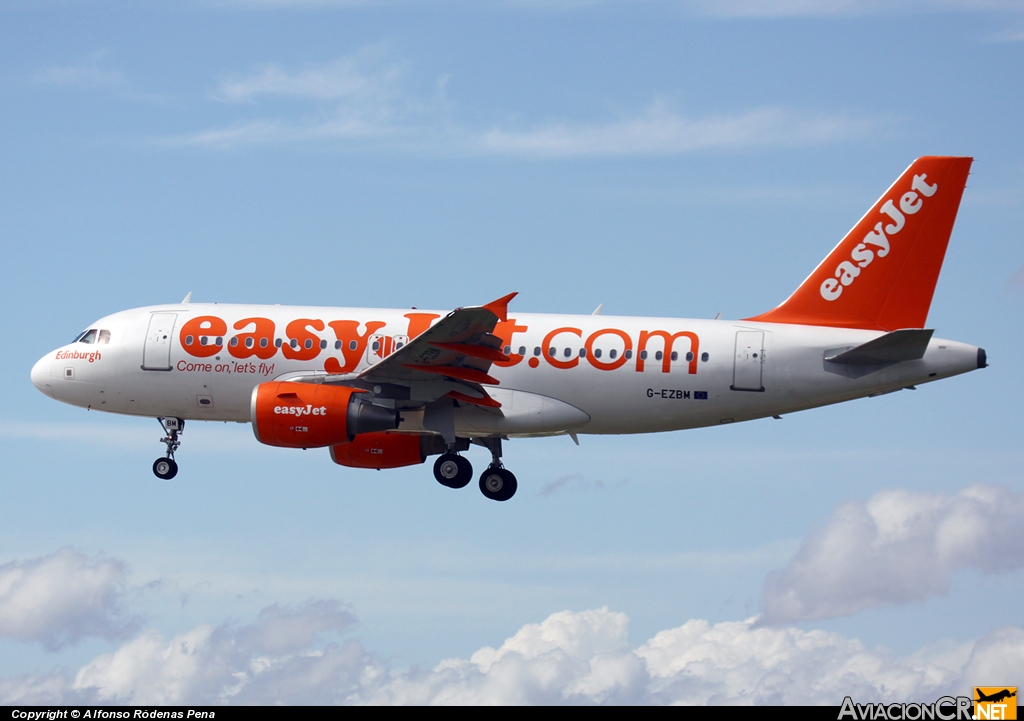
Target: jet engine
<point>385,450</point>
<point>314,415</point>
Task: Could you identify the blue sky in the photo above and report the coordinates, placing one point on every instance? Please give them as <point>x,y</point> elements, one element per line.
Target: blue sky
<point>663,158</point>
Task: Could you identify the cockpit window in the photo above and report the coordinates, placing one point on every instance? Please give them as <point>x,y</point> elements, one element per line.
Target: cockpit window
<point>104,337</point>
<point>88,337</point>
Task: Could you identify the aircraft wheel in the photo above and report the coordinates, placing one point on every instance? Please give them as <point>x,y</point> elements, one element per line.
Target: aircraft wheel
<point>453,471</point>
<point>165,468</point>
<point>498,484</point>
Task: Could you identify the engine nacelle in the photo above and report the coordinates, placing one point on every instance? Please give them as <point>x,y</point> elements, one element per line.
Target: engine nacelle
<point>314,415</point>
<point>383,450</point>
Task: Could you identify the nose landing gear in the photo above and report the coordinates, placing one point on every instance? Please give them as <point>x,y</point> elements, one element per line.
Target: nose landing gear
<point>165,468</point>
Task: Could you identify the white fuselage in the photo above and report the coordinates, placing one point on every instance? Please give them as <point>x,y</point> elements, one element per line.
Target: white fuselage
<point>738,370</point>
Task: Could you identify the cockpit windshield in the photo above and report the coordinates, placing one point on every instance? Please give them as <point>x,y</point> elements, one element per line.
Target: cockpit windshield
<point>93,335</point>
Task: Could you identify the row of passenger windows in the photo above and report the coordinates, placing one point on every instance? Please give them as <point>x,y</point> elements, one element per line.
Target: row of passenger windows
<point>353,345</point>
<point>264,342</point>
<point>93,335</point>
<point>612,354</point>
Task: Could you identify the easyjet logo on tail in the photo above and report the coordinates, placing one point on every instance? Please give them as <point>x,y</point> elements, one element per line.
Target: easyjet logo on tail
<point>877,242</point>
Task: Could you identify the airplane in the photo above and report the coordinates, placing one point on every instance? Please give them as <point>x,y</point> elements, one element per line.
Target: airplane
<point>997,696</point>
<point>386,388</point>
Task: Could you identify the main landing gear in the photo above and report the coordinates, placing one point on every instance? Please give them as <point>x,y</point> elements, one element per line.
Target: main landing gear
<point>165,468</point>
<point>453,471</point>
<point>496,483</point>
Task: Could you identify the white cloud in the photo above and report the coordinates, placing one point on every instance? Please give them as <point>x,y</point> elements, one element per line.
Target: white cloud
<point>89,74</point>
<point>274,655</point>
<point>571,657</point>
<point>92,74</point>
<point>62,598</point>
<point>897,547</point>
<point>360,96</point>
<point>660,131</point>
<point>363,75</point>
<point>657,131</point>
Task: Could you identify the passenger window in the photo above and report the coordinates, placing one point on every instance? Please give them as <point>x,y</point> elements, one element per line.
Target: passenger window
<point>202,340</point>
<point>597,353</point>
<point>278,343</point>
<point>674,356</point>
<point>612,353</point>
<point>658,355</point>
<point>309,343</point>
<point>294,343</point>
<point>583,352</point>
<point>233,342</point>
<point>337,345</point>
<point>568,352</point>
<point>689,356</point>
<point>628,354</point>
<point>522,350</point>
<point>88,337</point>
<point>643,355</point>
<point>104,337</point>
<point>508,350</point>
<point>249,342</point>
<point>552,351</point>
<point>376,346</point>
<point>352,345</point>
<point>536,351</point>
<point>220,340</point>
<point>263,342</point>
<point>704,357</point>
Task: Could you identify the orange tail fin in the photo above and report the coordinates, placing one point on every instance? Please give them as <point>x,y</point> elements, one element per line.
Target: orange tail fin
<point>882,274</point>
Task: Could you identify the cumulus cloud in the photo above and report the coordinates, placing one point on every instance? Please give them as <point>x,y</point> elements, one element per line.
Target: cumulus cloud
<point>273,659</point>
<point>62,598</point>
<point>571,657</point>
<point>897,547</point>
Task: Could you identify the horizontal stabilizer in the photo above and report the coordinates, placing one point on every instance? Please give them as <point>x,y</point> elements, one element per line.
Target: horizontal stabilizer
<point>900,345</point>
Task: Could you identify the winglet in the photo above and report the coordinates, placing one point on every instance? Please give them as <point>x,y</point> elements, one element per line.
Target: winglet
<point>500,307</point>
<point>188,299</point>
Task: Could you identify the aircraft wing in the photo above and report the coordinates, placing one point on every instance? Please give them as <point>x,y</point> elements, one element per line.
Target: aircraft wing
<point>451,358</point>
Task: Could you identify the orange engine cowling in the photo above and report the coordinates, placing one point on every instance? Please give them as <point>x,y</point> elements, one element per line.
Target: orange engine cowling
<point>380,450</point>
<point>308,415</point>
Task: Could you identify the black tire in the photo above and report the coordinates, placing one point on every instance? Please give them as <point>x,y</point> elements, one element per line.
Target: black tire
<point>165,468</point>
<point>498,484</point>
<point>453,471</point>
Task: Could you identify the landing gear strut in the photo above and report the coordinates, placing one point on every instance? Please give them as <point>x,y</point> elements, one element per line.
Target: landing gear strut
<point>165,468</point>
<point>496,482</point>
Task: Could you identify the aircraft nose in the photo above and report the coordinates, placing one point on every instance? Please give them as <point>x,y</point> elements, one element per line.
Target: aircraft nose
<point>41,375</point>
